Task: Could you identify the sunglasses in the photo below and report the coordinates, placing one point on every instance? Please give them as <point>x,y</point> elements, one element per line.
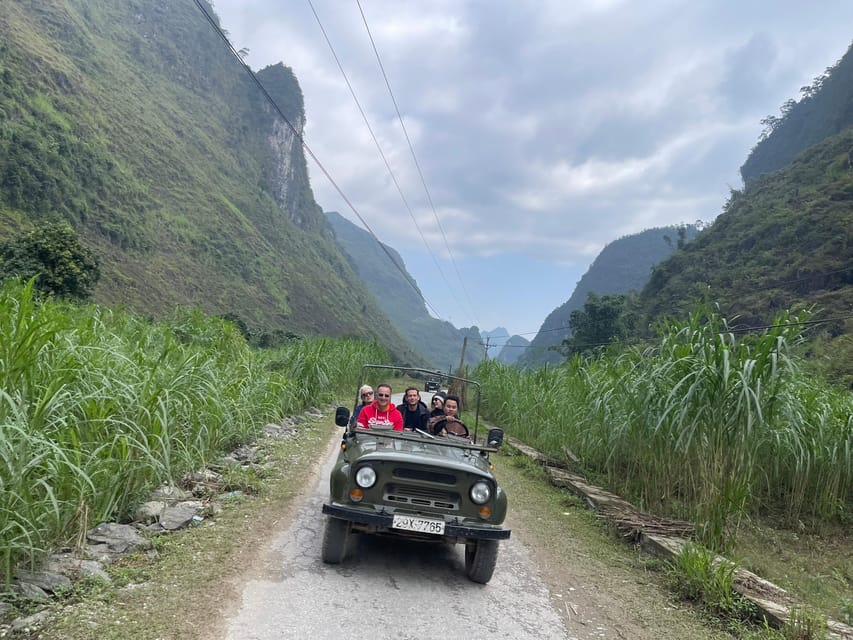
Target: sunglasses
<point>434,400</point>
<point>366,393</point>
<point>383,395</point>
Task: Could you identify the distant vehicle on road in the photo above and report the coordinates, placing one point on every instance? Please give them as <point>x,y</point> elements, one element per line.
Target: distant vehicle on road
<point>416,485</point>
<point>433,383</point>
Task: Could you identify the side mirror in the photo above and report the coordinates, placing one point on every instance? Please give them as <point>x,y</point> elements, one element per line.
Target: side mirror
<point>495,437</point>
<point>341,416</point>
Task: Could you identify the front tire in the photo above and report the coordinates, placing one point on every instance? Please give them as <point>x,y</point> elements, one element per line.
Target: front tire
<point>481,556</point>
<point>335,539</point>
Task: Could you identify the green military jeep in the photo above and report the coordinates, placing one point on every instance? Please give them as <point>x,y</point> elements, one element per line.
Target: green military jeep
<point>417,485</point>
<point>432,384</point>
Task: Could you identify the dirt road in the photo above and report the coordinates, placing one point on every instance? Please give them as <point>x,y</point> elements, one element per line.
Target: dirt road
<point>550,582</point>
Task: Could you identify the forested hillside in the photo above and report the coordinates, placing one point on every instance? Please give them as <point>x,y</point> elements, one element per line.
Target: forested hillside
<point>824,109</point>
<point>134,123</point>
<point>784,242</point>
<point>623,265</point>
<point>398,295</point>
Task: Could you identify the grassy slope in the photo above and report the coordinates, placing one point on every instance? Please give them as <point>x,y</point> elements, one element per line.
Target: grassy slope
<point>131,120</point>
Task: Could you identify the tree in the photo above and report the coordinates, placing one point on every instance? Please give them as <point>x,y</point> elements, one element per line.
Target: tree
<point>53,253</point>
<point>601,321</point>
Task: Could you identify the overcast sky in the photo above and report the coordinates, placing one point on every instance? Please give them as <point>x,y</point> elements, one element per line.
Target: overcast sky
<point>543,129</point>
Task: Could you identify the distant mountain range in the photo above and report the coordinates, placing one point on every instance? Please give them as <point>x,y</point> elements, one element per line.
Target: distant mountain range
<point>513,349</point>
<point>503,347</point>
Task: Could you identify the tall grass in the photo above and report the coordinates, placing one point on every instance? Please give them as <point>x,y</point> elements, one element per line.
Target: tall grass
<point>705,424</point>
<point>97,407</point>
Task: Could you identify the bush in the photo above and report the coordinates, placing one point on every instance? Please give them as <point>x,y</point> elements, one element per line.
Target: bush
<point>53,255</point>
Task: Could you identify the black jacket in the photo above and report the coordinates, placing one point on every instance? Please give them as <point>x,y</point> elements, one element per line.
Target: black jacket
<point>416,419</point>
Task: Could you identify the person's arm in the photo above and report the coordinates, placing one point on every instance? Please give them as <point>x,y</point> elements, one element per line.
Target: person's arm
<point>435,422</point>
<point>396,419</point>
<point>362,417</point>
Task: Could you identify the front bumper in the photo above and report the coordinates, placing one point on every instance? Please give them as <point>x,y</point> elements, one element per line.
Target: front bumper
<point>383,521</point>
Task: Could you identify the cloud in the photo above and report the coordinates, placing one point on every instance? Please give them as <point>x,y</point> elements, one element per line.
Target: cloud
<point>542,128</point>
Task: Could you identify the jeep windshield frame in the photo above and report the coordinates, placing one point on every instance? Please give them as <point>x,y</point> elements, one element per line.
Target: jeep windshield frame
<point>368,372</point>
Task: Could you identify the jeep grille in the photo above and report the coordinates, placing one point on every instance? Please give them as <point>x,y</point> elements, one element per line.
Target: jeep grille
<point>421,497</point>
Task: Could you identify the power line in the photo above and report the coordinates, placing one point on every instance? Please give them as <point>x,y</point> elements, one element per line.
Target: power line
<point>308,150</point>
<point>788,324</point>
<point>417,164</point>
<point>378,146</point>
<point>811,276</point>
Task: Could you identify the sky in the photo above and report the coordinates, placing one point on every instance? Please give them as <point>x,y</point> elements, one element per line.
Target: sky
<point>540,130</point>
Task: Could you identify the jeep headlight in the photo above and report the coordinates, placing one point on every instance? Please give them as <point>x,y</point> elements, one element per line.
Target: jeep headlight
<point>481,492</point>
<point>365,477</point>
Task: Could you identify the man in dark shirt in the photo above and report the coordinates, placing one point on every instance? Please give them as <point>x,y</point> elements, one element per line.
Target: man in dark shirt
<point>415,412</point>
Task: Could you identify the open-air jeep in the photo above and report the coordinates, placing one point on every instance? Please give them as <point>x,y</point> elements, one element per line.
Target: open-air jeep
<point>417,485</point>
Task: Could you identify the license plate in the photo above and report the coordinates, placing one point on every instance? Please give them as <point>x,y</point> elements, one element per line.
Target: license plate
<point>421,525</point>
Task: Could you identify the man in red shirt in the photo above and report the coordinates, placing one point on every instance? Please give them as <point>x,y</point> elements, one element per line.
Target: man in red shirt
<point>381,412</point>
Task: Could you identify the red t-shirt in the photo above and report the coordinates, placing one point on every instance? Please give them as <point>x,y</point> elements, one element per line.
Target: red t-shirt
<point>371,415</point>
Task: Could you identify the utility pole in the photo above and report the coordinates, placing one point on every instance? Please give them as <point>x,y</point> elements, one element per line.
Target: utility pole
<point>460,390</point>
<point>486,357</point>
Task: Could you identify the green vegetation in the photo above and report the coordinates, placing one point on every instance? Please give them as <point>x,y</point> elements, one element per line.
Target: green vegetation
<point>704,425</point>
<point>601,321</point>
<point>697,575</point>
<point>180,594</point>
<point>53,255</point>
<point>700,576</point>
<point>98,407</point>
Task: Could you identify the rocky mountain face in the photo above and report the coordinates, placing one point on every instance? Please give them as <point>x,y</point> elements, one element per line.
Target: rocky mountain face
<point>438,342</point>
<point>133,122</point>
<point>513,349</point>
<point>503,347</point>
<point>623,265</point>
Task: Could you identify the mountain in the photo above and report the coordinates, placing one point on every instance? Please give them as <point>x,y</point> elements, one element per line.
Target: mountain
<point>825,109</point>
<point>513,349</point>
<point>438,342</point>
<point>496,338</point>
<point>784,242</point>
<point>508,348</point>
<point>623,265</point>
<point>133,122</point>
